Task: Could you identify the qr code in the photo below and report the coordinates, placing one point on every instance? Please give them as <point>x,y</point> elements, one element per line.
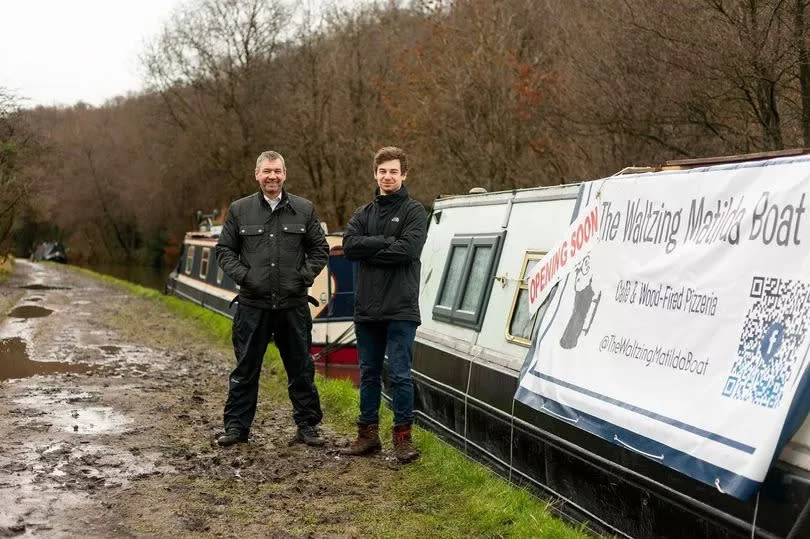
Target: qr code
<point>773,332</point>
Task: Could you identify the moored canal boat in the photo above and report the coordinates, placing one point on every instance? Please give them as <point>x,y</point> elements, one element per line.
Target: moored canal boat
<point>477,332</point>
<point>198,278</point>
<point>50,251</point>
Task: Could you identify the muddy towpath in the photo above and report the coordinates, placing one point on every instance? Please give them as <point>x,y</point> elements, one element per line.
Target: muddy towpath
<point>109,406</point>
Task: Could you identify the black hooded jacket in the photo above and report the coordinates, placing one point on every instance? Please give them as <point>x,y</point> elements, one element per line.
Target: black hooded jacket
<point>386,237</point>
<point>272,255</point>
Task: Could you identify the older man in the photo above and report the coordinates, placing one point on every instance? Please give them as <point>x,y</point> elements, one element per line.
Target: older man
<point>273,246</point>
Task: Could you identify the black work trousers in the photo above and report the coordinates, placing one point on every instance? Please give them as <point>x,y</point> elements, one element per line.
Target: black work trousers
<point>253,329</point>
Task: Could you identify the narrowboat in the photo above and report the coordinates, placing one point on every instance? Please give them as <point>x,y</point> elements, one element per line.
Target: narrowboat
<point>49,251</point>
<point>198,278</point>
<point>477,333</point>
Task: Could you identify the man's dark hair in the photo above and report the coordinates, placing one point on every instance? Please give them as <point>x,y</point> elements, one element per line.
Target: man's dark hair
<point>389,153</point>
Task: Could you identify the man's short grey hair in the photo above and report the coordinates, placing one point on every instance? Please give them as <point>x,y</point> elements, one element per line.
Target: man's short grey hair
<point>270,155</point>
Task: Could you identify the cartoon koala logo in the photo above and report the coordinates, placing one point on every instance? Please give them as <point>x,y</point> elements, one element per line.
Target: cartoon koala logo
<point>585,302</point>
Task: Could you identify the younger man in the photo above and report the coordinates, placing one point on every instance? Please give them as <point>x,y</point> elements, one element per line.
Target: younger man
<point>386,238</point>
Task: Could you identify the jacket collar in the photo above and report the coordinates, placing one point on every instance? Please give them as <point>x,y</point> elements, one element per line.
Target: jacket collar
<point>285,201</point>
<point>392,198</point>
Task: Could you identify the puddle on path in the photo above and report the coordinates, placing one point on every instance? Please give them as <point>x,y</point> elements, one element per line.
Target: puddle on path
<point>61,410</point>
<point>29,311</point>
<point>44,287</point>
<point>87,420</point>
<point>14,362</point>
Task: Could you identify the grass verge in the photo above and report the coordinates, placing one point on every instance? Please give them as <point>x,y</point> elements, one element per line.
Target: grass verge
<point>442,494</point>
<point>6,267</point>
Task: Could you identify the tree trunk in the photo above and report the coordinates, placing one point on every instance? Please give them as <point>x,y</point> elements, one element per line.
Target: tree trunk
<point>800,37</point>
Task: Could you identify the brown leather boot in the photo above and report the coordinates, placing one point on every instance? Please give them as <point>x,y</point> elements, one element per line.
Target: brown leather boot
<point>367,442</point>
<point>404,450</point>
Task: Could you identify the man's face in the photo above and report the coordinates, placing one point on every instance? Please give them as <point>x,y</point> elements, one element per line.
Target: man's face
<point>271,176</point>
<point>389,176</point>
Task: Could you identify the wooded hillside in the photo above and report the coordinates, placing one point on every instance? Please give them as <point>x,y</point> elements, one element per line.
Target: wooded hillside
<point>499,94</point>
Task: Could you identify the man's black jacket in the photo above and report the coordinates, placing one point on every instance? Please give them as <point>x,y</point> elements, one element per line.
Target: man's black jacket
<point>272,255</point>
<point>386,238</point>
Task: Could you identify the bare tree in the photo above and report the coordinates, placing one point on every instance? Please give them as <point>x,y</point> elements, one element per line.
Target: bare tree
<point>470,94</point>
<point>16,143</point>
<point>801,35</point>
<point>211,65</point>
<point>333,106</point>
<point>679,78</point>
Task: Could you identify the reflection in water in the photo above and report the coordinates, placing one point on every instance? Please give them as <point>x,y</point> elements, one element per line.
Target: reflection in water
<point>29,311</point>
<point>90,420</point>
<point>340,372</point>
<point>14,362</point>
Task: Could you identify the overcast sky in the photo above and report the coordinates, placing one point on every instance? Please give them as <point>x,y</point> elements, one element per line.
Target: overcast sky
<point>58,52</point>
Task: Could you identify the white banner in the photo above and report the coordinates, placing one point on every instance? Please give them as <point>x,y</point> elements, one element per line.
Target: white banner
<point>682,335</point>
<point>564,256</point>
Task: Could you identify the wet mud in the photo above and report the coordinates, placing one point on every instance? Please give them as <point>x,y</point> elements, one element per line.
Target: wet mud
<point>109,408</point>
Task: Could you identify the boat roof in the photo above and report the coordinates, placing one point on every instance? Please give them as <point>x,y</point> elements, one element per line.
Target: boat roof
<point>478,196</point>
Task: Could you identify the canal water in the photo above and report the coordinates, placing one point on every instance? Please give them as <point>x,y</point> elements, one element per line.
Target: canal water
<point>147,276</point>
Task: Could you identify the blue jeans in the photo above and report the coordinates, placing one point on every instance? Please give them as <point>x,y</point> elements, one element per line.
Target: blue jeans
<point>374,341</point>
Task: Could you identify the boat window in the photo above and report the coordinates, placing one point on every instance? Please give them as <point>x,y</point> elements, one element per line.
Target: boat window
<point>478,277</point>
<point>458,255</point>
<point>467,279</point>
<point>519,325</point>
<point>189,259</point>
<point>206,254</point>
<point>220,275</point>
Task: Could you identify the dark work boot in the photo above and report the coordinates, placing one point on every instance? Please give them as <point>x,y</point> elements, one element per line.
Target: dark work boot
<point>367,442</point>
<point>404,450</point>
<point>309,435</point>
<point>232,437</point>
